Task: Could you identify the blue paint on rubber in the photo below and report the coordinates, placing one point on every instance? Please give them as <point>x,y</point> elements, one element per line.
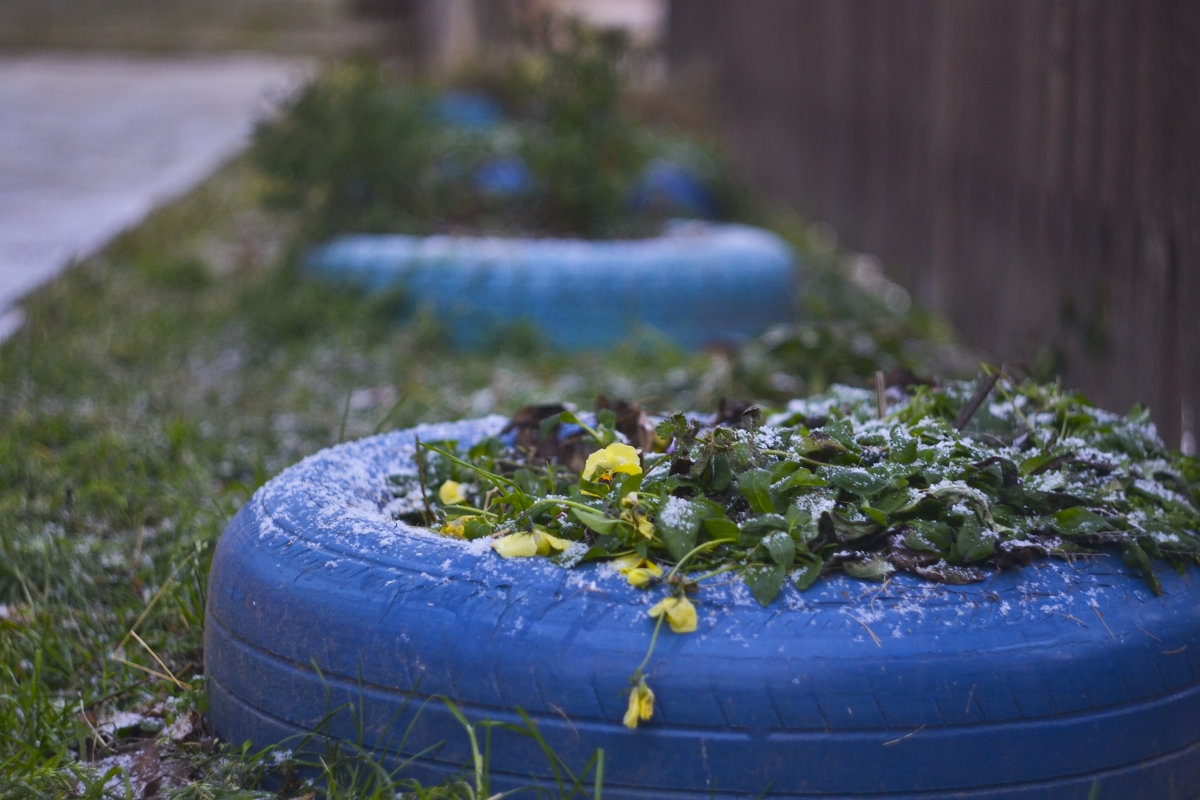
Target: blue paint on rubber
<point>669,187</point>
<point>1050,682</point>
<point>698,283</point>
<point>504,177</point>
<point>467,110</point>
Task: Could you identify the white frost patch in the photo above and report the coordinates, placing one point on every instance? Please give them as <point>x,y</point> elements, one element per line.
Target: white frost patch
<point>676,513</point>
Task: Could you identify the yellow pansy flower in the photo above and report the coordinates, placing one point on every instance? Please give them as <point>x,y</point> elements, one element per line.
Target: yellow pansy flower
<point>451,493</point>
<point>637,570</point>
<point>616,457</point>
<point>641,704</point>
<point>681,614</point>
<point>524,545</point>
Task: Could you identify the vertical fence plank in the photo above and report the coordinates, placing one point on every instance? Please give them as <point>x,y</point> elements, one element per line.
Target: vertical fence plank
<point>1030,169</point>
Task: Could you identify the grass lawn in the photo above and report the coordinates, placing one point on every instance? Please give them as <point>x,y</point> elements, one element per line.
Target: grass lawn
<point>157,384</point>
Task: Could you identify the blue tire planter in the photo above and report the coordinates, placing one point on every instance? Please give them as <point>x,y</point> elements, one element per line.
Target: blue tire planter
<point>1050,682</point>
<point>697,283</point>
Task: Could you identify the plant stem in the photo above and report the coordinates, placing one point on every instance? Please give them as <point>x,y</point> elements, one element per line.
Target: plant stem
<point>700,548</point>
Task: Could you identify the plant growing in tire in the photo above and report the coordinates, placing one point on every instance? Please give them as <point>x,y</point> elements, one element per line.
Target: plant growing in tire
<point>948,484</point>
<point>570,216</point>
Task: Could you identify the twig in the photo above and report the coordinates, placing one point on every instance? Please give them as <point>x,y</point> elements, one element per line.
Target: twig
<point>345,416</point>
<point>1096,609</point>
<point>880,394</point>
<point>905,736</point>
<point>868,629</point>
<point>1148,633</point>
<point>985,388</point>
<point>153,600</point>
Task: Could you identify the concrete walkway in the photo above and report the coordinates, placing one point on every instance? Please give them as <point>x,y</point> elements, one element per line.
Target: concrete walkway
<point>90,144</point>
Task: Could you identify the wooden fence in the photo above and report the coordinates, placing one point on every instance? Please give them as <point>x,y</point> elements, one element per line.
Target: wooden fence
<point>1030,169</point>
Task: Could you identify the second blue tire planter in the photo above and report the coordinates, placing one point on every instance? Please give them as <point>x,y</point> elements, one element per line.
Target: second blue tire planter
<point>1050,682</point>
<point>697,283</point>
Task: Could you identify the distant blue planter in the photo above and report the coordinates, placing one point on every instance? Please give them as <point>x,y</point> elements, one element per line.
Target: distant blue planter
<point>504,177</point>
<point>673,187</point>
<point>697,283</point>
<point>467,110</point>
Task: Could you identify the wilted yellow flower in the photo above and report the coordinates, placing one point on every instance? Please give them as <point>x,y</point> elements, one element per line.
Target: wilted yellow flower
<point>640,522</point>
<point>641,704</point>
<point>547,542</point>
<point>616,457</point>
<point>457,527</point>
<point>523,545</point>
<point>451,493</point>
<point>516,545</point>
<point>637,570</point>
<point>681,614</point>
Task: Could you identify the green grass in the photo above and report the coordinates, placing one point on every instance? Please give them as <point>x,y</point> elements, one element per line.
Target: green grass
<point>157,384</point>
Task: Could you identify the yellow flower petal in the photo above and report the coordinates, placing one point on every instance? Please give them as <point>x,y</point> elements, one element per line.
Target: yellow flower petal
<point>640,522</point>
<point>641,705</point>
<point>516,545</point>
<point>623,564</point>
<point>546,542</point>
<point>643,576</point>
<point>637,570</point>
<point>681,614</point>
<point>456,527</point>
<point>617,457</point>
<point>451,493</point>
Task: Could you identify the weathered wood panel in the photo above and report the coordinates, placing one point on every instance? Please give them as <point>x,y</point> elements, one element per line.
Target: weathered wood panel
<point>1030,169</point>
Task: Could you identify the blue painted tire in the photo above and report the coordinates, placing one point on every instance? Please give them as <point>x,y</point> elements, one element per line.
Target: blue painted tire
<point>697,283</point>
<point>1050,682</point>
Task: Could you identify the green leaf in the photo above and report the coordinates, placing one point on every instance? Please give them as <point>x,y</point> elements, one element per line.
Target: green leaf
<point>755,486</point>
<point>807,576</point>
<point>858,482</point>
<point>1135,557</point>
<point>972,542</point>
<point>765,581</point>
<point>754,528</point>
<point>607,418</point>
<point>628,483</point>
<point>679,530</point>
<point>870,569</point>
<point>1079,521</point>
<point>929,536</point>
<point>476,529</point>
<point>802,478</point>
<point>874,513</point>
<point>722,474</point>
<point>849,530</point>
<point>595,520</point>
<point>797,517</point>
<point>720,528</point>
<point>780,547</point>
<point>1031,465</point>
<point>903,448</point>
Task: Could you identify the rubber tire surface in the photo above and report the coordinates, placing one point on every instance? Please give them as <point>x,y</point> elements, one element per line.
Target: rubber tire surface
<point>697,283</point>
<point>1050,682</point>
